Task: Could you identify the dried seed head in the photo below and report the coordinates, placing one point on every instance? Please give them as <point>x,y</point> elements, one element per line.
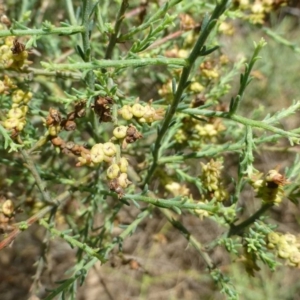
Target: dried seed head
<point>70,145</point>
<point>69,125</point>
<point>53,117</point>
<point>123,180</point>
<point>114,186</point>
<point>132,134</point>
<point>57,141</point>
<point>17,47</point>
<point>102,108</point>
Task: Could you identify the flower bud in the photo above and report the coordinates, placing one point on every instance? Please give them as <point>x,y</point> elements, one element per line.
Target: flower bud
<point>2,87</point>
<point>113,171</point>
<point>20,126</point>
<point>123,164</point>
<point>138,110</point>
<point>54,130</point>
<point>8,208</point>
<point>11,123</point>
<point>283,251</point>
<point>15,113</point>
<point>295,257</point>
<point>27,97</point>
<point>109,149</point>
<point>18,96</point>
<point>24,109</point>
<point>120,132</point>
<point>273,237</point>
<point>97,154</point>
<point>126,112</point>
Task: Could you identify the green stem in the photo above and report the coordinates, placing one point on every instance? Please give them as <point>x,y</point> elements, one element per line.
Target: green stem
<point>41,72</point>
<point>245,78</point>
<point>43,31</point>
<point>72,241</point>
<point>25,224</point>
<point>87,8</point>
<point>158,15</point>
<point>97,64</point>
<point>211,151</point>
<point>41,185</point>
<point>191,239</point>
<point>241,120</point>
<point>129,230</point>
<point>70,9</point>
<point>169,203</point>
<point>219,9</point>
<point>114,36</point>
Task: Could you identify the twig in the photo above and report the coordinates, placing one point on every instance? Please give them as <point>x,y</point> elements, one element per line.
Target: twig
<point>219,10</point>
<point>114,36</point>
<point>41,185</point>
<point>236,229</point>
<point>19,227</point>
<point>87,9</point>
<point>191,239</point>
<point>96,64</point>
<point>43,31</point>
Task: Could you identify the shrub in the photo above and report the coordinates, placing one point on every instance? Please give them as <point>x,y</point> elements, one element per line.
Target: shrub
<point>114,114</point>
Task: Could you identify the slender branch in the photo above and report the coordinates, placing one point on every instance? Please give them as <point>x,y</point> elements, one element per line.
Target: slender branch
<point>210,151</point>
<point>19,227</point>
<point>87,8</point>
<point>219,9</point>
<point>237,229</point>
<point>70,9</point>
<point>98,64</point>
<point>169,203</point>
<point>72,241</point>
<point>158,15</point>
<point>241,120</point>
<point>128,231</point>
<point>41,185</point>
<point>41,72</point>
<point>43,31</point>
<point>114,36</point>
<point>191,239</point>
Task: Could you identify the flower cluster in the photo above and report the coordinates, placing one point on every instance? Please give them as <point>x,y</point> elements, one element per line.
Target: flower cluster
<point>212,182</point>
<point>257,10</point>
<point>287,246</point>
<point>142,113</point>
<point>16,116</point>
<point>178,189</point>
<point>13,54</point>
<point>197,133</point>
<point>99,153</point>
<point>270,188</point>
<point>209,131</point>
